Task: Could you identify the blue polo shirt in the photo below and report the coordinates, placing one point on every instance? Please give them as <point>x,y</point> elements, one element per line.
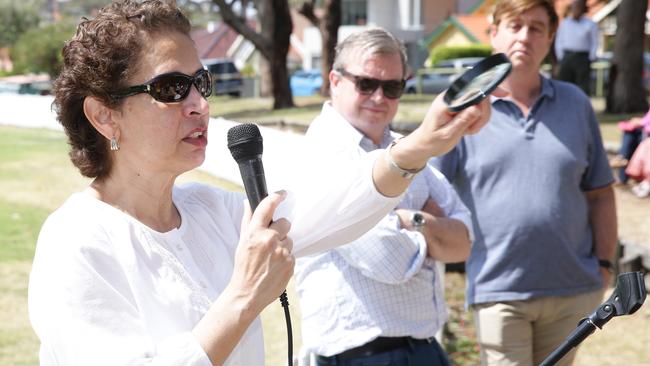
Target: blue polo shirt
<point>524,178</point>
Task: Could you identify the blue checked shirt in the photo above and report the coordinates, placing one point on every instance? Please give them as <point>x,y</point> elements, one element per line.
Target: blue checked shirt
<point>382,284</point>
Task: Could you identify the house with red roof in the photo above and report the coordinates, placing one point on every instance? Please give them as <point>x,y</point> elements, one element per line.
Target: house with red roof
<point>473,26</point>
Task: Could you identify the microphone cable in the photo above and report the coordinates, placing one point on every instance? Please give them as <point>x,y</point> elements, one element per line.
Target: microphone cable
<point>284,300</point>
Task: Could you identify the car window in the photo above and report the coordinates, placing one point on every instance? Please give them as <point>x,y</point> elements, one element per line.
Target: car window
<point>222,68</point>
<point>230,67</point>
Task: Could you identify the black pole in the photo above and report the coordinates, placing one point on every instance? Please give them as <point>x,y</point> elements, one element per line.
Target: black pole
<point>627,298</point>
<point>584,329</point>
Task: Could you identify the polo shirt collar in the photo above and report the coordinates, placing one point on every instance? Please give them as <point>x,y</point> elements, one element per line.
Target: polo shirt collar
<point>548,91</point>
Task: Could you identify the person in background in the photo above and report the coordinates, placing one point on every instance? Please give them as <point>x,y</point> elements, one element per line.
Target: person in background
<point>634,131</point>
<point>135,270</point>
<point>639,169</point>
<point>539,186</point>
<point>379,299</point>
<point>576,44</point>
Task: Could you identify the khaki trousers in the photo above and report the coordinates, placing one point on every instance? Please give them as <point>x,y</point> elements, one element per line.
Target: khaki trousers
<point>524,333</point>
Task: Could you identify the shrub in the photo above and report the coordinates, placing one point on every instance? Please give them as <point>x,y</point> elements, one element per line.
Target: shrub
<point>15,18</point>
<point>440,53</point>
<point>39,49</point>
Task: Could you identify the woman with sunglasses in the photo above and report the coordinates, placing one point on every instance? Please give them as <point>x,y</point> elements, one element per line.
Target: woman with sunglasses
<point>135,270</point>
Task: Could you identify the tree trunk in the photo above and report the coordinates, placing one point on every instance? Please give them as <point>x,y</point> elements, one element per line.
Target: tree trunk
<point>329,29</point>
<point>275,21</point>
<point>272,41</point>
<point>282,97</point>
<point>328,25</point>
<point>629,94</point>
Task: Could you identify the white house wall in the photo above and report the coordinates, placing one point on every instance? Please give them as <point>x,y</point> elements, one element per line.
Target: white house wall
<point>410,14</point>
<point>383,13</point>
<point>403,18</point>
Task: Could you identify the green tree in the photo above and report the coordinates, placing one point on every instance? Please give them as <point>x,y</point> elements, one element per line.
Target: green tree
<point>39,49</point>
<point>78,8</point>
<point>15,19</point>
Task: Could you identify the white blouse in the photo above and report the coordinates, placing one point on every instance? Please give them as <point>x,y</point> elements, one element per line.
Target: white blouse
<point>107,290</point>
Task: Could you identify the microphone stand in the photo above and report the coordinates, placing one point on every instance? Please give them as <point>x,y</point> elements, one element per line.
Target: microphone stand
<point>627,298</point>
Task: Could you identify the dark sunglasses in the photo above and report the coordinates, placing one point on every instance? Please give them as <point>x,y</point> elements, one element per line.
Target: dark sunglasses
<point>392,89</point>
<point>172,87</point>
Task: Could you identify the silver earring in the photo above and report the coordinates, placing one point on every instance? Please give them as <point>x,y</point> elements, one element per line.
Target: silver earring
<point>114,145</point>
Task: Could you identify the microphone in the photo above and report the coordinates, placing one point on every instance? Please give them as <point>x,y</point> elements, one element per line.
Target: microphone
<point>245,144</point>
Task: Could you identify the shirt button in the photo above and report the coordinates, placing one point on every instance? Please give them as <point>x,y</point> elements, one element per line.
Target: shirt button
<point>179,248</point>
<point>203,285</point>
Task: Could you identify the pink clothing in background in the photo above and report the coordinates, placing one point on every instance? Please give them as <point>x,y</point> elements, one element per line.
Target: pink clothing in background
<point>639,166</point>
<point>628,126</point>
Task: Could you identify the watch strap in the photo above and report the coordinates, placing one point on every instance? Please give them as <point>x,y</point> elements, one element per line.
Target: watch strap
<point>605,263</point>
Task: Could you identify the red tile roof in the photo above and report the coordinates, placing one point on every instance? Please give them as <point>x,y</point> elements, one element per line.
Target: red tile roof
<point>478,25</point>
<point>214,43</point>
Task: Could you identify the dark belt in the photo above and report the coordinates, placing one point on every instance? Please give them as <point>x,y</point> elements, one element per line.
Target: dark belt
<point>376,346</point>
<point>576,53</point>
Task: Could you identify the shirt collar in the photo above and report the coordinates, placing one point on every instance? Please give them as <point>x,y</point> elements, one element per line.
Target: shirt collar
<point>342,129</point>
<point>548,90</point>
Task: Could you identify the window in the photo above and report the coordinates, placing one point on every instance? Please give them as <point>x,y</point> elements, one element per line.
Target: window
<point>354,12</point>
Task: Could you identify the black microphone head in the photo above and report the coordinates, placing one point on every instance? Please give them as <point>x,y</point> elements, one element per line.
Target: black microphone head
<point>245,141</point>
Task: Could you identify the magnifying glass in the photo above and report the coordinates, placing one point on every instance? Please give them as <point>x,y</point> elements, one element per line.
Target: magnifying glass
<point>478,82</point>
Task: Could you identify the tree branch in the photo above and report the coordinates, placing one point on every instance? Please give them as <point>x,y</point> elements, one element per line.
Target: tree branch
<point>307,10</point>
<point>239,25</point>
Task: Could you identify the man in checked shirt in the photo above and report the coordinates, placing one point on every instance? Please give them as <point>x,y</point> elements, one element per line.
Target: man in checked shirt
<point>380,299</point>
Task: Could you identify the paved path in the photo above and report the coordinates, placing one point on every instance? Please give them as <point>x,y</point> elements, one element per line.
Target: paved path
<point>35,112</point>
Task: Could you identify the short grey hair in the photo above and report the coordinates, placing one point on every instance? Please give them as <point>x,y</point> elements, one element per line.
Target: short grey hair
<point>371,41</point>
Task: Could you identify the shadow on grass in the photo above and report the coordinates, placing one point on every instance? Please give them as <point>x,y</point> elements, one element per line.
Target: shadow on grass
<point>313,107</point>
<point>612,118</point>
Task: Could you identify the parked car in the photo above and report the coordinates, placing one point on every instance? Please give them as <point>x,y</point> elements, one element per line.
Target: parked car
<point>429,83</point>
<point>226,79</point>
<point>26,84</point>
<point>438,79</point>
<point>306,82</point>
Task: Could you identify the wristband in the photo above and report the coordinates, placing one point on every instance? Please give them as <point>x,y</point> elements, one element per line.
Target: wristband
<point>404,173</point>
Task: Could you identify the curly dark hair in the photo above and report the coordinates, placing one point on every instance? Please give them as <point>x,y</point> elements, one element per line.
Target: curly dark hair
<point>100,58</point>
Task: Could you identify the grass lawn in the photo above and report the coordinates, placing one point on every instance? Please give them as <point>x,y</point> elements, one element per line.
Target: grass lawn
<point>36,177</point>
<point>27,195</point>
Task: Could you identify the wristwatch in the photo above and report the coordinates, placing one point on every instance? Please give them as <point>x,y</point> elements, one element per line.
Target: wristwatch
<point>417,220</point>
<point>604,263</point>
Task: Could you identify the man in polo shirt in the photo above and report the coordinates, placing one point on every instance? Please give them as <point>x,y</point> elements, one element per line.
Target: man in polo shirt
<point>537,181</point>
<point>576,44</point>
